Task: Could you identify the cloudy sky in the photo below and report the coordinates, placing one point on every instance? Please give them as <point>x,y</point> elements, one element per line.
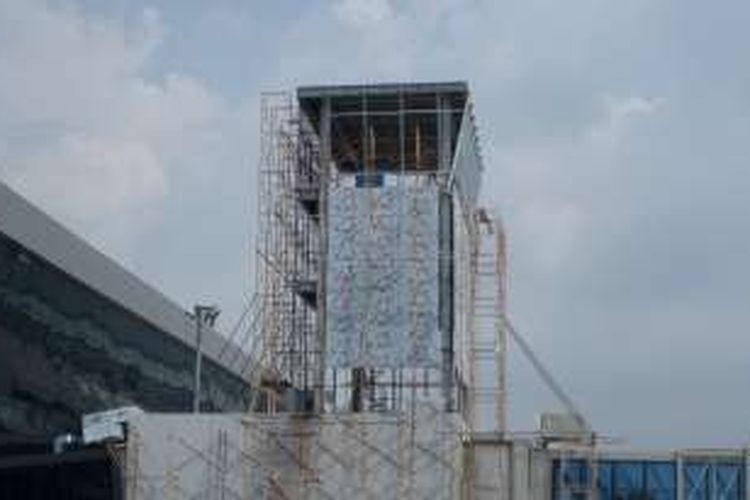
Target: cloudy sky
<point>616,137</point>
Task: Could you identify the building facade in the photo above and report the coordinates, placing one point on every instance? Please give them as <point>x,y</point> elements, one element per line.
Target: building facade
<point>79,334</point>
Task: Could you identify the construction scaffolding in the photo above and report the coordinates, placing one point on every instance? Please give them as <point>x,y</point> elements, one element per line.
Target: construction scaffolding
<point>375,338</point>
<point>488,336</point>
<point>284,344</point>
<point>357,290</point>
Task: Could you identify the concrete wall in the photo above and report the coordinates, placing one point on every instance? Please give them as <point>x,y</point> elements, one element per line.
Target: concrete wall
<point>507,470</point>
<point>352,456</point>
<point>395,456</point>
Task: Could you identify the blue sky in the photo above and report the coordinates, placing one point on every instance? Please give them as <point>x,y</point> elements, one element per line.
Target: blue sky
<point>616,137</point>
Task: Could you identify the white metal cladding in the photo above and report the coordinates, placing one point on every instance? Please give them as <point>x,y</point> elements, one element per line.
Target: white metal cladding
<point>467,162</point>
<point>462,241</point>
<point>382,305</point>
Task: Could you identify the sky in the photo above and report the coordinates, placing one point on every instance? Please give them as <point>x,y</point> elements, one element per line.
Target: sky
<point>615,137</point>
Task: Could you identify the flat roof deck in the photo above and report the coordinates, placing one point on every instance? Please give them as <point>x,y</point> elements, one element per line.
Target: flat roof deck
<point>320,91</point>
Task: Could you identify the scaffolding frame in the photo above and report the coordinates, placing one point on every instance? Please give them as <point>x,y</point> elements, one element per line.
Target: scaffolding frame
<point>285,347</point>
<point>297,169</point>
<point>487,390</point>
<point>287,332</point>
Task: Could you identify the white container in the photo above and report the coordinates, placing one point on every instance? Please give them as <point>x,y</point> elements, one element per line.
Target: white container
<point>109,425</point>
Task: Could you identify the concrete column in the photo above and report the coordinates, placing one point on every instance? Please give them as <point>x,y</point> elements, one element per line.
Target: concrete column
<point>680,476</point>
<point>325,173</point>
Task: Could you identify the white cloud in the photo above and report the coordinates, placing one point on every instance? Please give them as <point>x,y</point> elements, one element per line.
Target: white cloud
<point>551,216</point>
<point>621,109</point>
<point>617,114</point>
<point>363,13</point>
<point>93,177</point>
<point>90,120</point>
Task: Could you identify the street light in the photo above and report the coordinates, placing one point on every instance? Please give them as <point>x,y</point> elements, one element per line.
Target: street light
<point>204,316</point>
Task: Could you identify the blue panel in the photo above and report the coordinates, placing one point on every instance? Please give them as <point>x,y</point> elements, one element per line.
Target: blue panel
<point>605,481</point>
<point>728,481</point>
<point>709,480</point>
<point>617,480</point>
<point>652,480</point>
<point>696,479</point>
<point>661,480</point>
<point>570,479</point>
<point>369,180</point>
<point>629,479</point>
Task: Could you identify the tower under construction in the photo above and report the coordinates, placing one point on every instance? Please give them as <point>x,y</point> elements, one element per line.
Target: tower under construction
<point>379,276</point>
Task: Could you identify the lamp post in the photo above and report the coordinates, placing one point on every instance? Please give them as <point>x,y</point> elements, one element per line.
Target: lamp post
<point>204,316</point>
